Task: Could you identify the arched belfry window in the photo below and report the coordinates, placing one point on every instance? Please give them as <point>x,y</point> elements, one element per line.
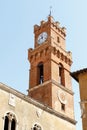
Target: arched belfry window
<point>61,75</point>
<point>10,121</point>
<point>40,73</point>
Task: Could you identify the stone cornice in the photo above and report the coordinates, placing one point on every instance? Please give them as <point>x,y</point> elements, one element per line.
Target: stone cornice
<point>63,88</point>
<point>36,103</point>
<point>52,82</point>
<point>41,85</point>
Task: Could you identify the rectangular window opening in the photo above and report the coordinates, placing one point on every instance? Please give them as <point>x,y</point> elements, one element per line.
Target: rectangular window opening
<point>58,39</point>
<point>62,107</point>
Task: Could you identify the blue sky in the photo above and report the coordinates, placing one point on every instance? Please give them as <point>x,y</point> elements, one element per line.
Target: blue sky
<point>17,18</point>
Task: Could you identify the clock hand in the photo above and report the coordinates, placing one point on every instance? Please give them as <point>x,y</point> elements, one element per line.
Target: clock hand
<point>41,37</point>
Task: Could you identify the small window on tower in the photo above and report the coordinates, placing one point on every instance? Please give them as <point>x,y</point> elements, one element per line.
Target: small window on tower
<point>61,75</point>
<point>62,106</point>
<point>58,39</point>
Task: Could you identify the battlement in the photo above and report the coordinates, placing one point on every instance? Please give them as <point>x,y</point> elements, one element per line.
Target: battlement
<point>53,24</point>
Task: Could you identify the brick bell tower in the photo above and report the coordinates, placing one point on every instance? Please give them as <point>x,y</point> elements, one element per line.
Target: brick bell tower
<point>50,63</point>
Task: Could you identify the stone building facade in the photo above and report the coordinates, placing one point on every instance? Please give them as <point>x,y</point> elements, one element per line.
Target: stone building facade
<point>29,114</point>
<point>81,77</point>
<point>49,104</point>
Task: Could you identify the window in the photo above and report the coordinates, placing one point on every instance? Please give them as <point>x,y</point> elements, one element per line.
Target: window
<point>61,75</point>
<point>62,106</point>
<point>37,127</point>
<point>10,122</point>
<point>58,39</point>
<point>40,73</point>
<point>13,124</point>
<point>6,123</point>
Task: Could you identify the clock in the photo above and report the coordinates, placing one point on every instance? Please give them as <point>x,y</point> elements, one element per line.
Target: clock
<point>42,37</point>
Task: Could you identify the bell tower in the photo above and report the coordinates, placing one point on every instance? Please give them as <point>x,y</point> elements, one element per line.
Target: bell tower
<point>50,63</point>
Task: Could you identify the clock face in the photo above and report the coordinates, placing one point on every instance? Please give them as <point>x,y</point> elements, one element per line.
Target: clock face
<point>42,37</point>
